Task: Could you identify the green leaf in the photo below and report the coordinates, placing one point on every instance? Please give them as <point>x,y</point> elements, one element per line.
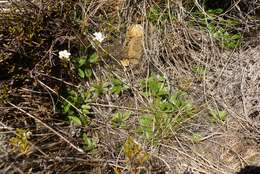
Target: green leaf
<point>154,14</point>
<point>126,115</point>
<point>216,11</point>
<point>146,126</point>
<point>88,72</point>
<point>116,82</point>
<point>66,107</point>
<point>231,45</point>
<point>87,96</point>
<point>196,137</point>
<point>218,116</point>
<point>81,73</point>
<point>164,106</point>
<point>118,86</point>
<point>146,121</point>
<point>119,119</point>
<point>75,120</point>
<point>155,86</point>
<point>222,115</point>
<point>116,89</point>
<point>93,58</point>
<point>85,109</point>
<point>236,36</point>
<point>82,61</point>
<point>89,143</point>
<point>199,70</point>
<point>84,120</point>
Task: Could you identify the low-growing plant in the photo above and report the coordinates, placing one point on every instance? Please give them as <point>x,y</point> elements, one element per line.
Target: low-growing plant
<point>155,14</point>
<point>99,89</point>
<point>216,11</point>
<point>154,86</point>
<point>199,70</point>
<point>225,38</point>
<point>218,116</point>
<point>135,155</point>
<point>168,111</point>
<point>146,127</point>
<point>196,138</point>
<point>84,65</point>
<point>89,143</point>
<point>119,120</point>
<point>223,30</point>
<point>158,15</point>
<point>76,107</point>
<point>118,87</point>
<point>20,141</point>
<point>78,100</point>
<point>166,118</point>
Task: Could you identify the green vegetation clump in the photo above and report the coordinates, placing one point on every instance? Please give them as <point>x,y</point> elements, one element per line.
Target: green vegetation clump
<point>20,142</point>
<point>62,76</point>
<point>160,15</point>
<point>74,103</point>
<point>84,64</point>
<point>225,38</point>
<point>135,155</point>
<point>168,110</point>
<point>225,30</point>
<point>119,120</point>
<point>89,143</point>
<point>218,116</point>
<point>76,108</point>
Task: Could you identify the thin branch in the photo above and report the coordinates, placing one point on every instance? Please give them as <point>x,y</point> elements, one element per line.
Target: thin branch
<point>47,126</point>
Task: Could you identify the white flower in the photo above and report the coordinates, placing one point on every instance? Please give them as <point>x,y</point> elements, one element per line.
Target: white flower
<point>99,36</point>
<point>64,55</point>
<point>28,134</point>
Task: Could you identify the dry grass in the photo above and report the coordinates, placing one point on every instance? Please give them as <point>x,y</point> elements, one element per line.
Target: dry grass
<point>177,46</point>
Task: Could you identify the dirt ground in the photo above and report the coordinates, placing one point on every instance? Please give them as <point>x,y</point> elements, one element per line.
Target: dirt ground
<point>56,117</point>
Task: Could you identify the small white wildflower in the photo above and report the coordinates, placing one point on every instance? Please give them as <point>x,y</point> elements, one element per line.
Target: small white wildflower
<point>99,36</point>
<point>64,55</point>
<point>28,134</point>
